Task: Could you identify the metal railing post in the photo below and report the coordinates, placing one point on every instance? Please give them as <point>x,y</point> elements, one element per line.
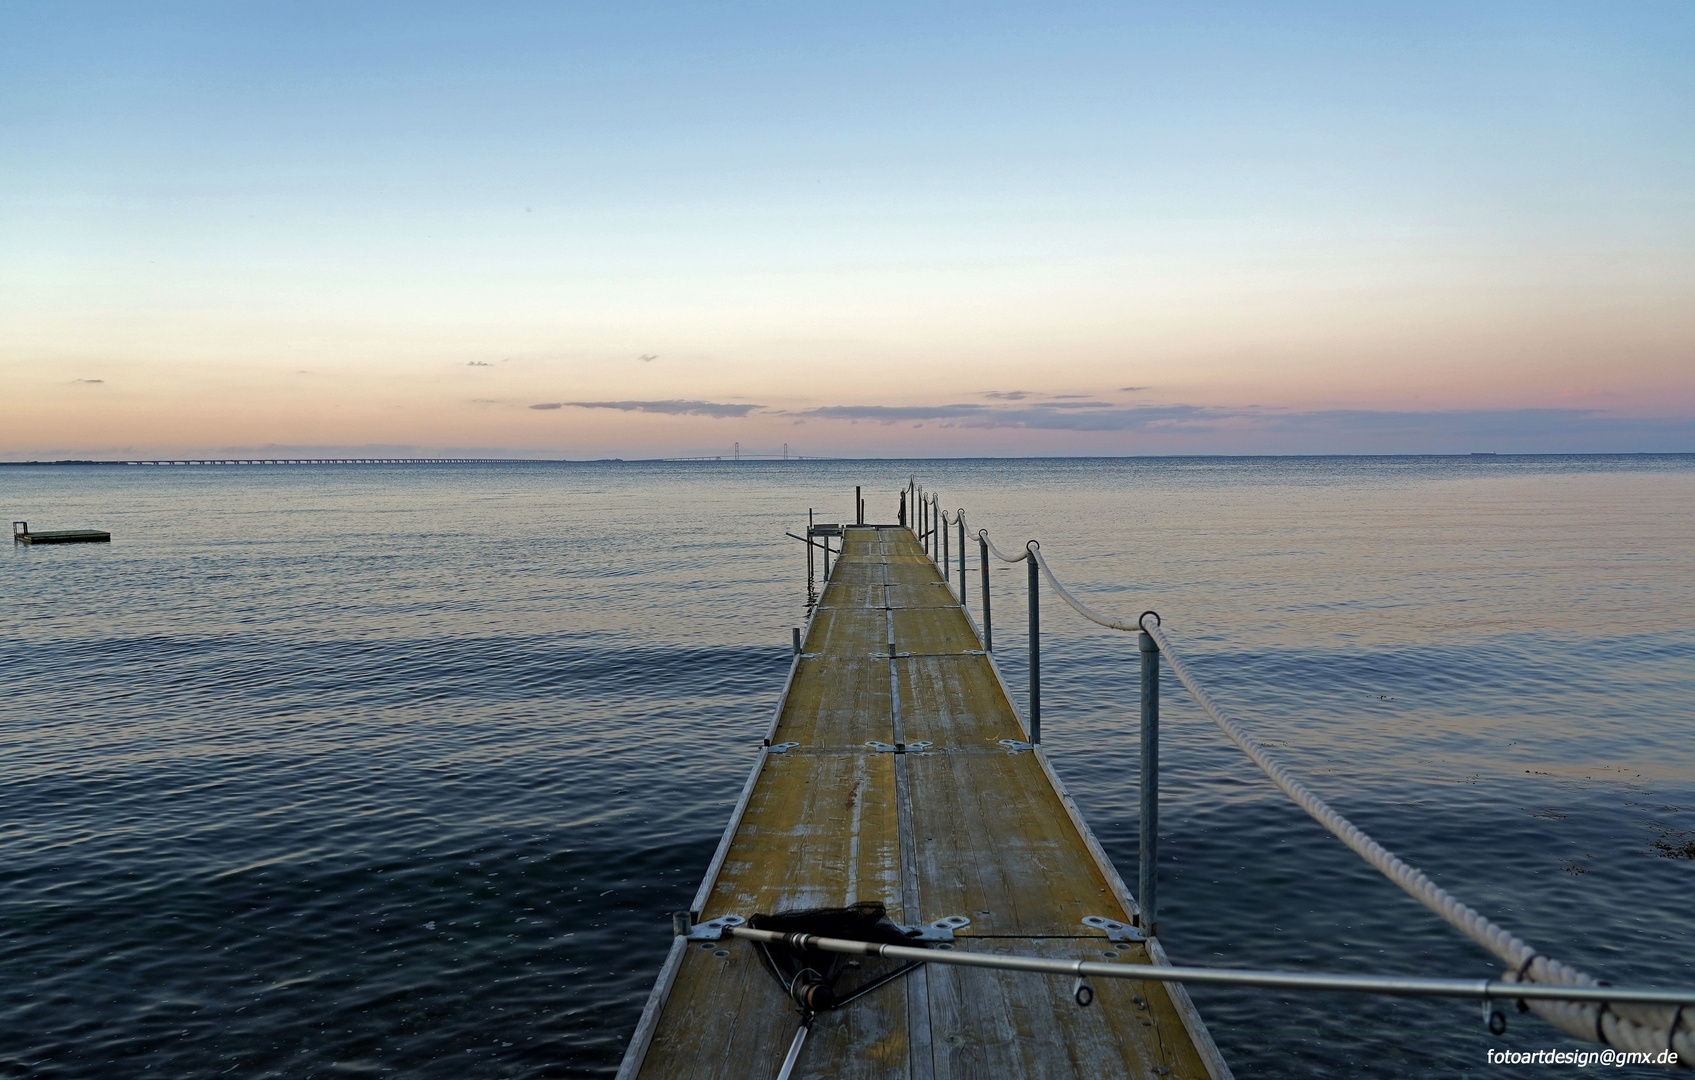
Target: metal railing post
<point>1147,829</point>
<point>961,558</point>
<point>944,566</point>
<point>858,506</point>
<point>1035,649</point>
<point>988,632</point>
<point>935,517</point>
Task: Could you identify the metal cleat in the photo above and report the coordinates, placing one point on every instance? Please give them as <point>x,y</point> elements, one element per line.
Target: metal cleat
<point>940,930</point>
<point>713,929</point>
<point>1115,930</point>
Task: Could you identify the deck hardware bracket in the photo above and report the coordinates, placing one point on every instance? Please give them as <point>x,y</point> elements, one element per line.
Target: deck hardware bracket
<point>940,930</point>
<point>713,929</point>
<point>890,655</point>
<point>1082,993</point>
<point>782,747</point>
<point>1493,1018</point>
<point>1115,930</point>
<point>1013,746</point>
<point>900,747</point>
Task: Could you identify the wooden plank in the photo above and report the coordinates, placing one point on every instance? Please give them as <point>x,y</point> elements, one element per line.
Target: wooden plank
<point>844,630</point>
<point>856,572</point>
<point>928,594</point>
<point>954,703</point>
<point>933,630</point>
<point>847,594</point>
<point>818,831</point>
<point>1015,1024</point>
<point>996,845</point>
<point>839,702</point>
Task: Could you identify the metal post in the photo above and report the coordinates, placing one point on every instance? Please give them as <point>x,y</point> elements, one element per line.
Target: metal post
<point>935,524</point>
<point>797,640</point>
<point>962,559</point>
<point>1035,649</point>
<point>1147,840</point>
<point>858,507</point>
<point>902,518</point>
<point>988,633</point>
<point>944,566</point>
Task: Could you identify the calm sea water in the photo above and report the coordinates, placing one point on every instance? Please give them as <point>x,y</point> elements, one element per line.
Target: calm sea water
<point>397,770</point>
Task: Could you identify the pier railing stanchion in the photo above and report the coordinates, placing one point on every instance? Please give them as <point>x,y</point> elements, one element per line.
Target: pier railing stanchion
<point>960,518</point>
<point>944,566</point>
<point>1035,648</point>
<point>1147,827</point>
<point>988,632</point>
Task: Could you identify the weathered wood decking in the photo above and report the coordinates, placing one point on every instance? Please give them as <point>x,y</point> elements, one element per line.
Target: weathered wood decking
<point>964,827</point>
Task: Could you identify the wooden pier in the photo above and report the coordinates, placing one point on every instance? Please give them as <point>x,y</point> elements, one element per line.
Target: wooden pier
<point>897,771</point>
<point>21,534</point>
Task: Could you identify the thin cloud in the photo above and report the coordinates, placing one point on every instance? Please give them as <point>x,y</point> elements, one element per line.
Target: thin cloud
<point>718,410</point>
<point>1066,416</point>
<point>1008,395</point>
<point>479,363</point>
<point>1131,389</point>
<point>1482,427</point>
<point>547,405</point>
<point>88,380</point>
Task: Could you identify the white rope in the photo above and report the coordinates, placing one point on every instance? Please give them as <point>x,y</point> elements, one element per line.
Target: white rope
<point>1647,1028</point>
<point>983,535</point>
<point>1082,609</point>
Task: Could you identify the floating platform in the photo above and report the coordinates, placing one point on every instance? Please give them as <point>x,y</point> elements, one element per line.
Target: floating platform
<point>897,771</point>
<point>21,534</point>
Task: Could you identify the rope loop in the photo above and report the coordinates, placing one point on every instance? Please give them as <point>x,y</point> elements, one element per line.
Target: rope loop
<point>1145,614</point>
<point>1519,977</point>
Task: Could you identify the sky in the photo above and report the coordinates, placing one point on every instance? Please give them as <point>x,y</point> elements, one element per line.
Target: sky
<point>635,230</point>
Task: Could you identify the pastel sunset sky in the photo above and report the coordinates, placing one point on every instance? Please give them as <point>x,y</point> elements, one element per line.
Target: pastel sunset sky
<point>634,230</point>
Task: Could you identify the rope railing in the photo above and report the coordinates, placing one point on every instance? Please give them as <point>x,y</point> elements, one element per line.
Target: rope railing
<point>1635,1027</point>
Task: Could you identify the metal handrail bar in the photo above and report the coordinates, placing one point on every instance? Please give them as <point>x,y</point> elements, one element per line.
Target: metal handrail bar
<point>1399,985</point>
